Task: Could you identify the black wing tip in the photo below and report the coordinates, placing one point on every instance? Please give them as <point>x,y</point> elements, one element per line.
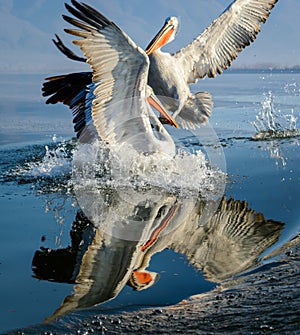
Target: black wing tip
<point>64,88</point>
<point>68,19</point>
<point>89,15</point>
<point>68,8</point>
<point>74,3</point>
<point>66,51</point>
<point>58,38</point>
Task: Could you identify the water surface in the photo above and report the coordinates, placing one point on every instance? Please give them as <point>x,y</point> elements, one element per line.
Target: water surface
<point>48,243</point>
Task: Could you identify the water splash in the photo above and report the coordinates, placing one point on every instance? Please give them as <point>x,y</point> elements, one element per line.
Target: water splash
<point>271,123</point>
<point>42,165</point>
<point>102,168</point>
<point>108,183</point>
<point>61,207</point>
<point>65,171</point>
<point>292,89</point>
<point>55,163</point>
<point>46,169</point>
<point>59,166</point>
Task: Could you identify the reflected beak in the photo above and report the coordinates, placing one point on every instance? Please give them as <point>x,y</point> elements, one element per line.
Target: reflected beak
<point>143,279</point>
<point>155,103</point>
<point>161,38</point>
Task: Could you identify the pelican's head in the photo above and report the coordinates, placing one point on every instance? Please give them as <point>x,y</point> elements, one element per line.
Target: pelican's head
<point>165,35</point>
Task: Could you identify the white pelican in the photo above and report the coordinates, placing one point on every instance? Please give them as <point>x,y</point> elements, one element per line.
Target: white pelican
<point>210,53</point>
<point>116,103</point>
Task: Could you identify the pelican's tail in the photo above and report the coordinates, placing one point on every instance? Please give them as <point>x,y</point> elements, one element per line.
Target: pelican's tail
<point>196,110</point>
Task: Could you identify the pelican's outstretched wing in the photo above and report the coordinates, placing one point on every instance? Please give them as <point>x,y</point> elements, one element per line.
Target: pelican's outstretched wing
<point>214,50</point>
<point>120,74</point>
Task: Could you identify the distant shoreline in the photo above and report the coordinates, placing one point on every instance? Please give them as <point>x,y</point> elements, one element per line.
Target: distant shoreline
<point>295,69</point>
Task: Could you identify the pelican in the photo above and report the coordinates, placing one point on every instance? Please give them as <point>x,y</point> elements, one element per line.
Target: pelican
<point>105,254</point>
<point>208,55</point>
<point>117,100</point>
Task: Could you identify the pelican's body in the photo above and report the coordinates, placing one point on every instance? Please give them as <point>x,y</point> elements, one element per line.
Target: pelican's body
<point>165,75</point>
<point>210,53</point>
<point>114,103</point>
<point>167,79</point>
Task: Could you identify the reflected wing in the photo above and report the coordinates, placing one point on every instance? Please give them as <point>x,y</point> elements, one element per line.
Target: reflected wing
<point>214,50</point>
<point>105,269</point>
<point>120,73</point>
<point>231,242</point>
<point>238,236</point>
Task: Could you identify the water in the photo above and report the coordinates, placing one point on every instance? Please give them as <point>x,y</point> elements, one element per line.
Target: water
<point>271,123</point>
<point>149,235</point>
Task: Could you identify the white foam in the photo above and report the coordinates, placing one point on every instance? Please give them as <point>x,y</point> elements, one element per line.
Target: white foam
<point>55,163</point>
<point>186,173</point>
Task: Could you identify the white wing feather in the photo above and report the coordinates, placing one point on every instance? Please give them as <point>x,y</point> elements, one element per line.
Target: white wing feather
<point>120,74</point>
<point>214,50</point>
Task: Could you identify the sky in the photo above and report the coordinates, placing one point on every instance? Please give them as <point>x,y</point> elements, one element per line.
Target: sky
<point>27,27</point>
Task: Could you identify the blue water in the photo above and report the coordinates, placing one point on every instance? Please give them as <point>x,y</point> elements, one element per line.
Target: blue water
<point>38,205</point>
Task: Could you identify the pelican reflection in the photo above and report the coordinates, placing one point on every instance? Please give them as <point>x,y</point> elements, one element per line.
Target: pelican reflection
<point>102,258</point>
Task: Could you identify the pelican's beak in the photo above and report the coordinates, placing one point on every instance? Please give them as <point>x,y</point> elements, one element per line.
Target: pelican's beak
<point>162,38</point>
<point>155,103</point>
